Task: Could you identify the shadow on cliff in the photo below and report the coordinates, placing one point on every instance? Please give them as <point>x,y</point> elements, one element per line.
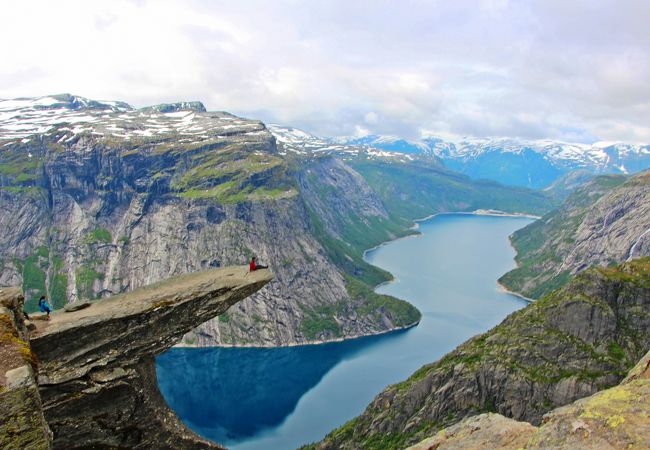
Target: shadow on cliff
<point>227,394</point>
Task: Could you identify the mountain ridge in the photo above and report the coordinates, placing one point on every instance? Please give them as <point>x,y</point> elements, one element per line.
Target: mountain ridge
<point>529,163</point>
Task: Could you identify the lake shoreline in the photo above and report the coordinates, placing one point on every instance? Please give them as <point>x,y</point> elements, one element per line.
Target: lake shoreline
<point>309,343</point>
<point>415,233</point>
<point>300,393</point>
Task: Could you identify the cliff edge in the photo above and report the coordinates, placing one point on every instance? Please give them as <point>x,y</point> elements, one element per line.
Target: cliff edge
<point>96,369</point>
<point>611,419</point>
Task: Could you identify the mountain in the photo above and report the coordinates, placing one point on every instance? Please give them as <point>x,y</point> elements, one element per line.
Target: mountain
<point>295,141</point>
<point>563,186</point>
<point>413,185</point>
<point>534,164</point>
<point>100,198</point>
<point>572,343</point>
<point>605,221</point>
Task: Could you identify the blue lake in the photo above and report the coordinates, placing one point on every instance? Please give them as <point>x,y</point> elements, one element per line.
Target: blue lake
<point>281,398</point>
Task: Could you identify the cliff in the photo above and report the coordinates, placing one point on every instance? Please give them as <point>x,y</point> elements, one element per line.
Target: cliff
<point>615,418</point>
<point>606,221</point>
<point>568,345</point>
<point>129,197</point>
<point>96,370</point>
<point>99,198</point>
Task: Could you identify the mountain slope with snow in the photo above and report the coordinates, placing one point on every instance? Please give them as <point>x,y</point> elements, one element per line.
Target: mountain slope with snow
<point>295,141</point>
<point>534,164</point>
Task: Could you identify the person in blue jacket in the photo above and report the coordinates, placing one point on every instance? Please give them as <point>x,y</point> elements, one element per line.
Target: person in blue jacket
<point>44,306</point>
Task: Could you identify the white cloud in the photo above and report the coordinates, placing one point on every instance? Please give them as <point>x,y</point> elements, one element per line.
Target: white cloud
<point>371,118</point>
<point>537,68</point>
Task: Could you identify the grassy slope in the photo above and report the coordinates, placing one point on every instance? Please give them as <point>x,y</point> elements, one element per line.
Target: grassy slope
<point>415,190</point>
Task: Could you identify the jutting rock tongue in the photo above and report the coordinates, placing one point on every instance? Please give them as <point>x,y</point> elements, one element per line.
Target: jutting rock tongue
<point>97,373</point>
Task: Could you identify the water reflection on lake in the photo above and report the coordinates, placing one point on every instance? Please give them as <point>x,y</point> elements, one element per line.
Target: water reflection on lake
<point>251,398</point>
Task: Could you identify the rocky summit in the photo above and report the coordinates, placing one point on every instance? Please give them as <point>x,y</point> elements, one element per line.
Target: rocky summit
<point>95,369</point>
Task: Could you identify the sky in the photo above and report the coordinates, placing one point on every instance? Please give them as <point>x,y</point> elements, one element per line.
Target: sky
<point>571,70</point>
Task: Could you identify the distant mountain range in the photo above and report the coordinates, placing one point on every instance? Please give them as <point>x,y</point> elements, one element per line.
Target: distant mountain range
<point>534,164</point>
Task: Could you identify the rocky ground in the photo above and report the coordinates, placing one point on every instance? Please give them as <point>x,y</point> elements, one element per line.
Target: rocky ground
<point>615,418</point>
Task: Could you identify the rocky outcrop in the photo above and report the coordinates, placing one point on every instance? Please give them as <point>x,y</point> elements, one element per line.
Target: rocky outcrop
<point>615,418</point>
<point>485,431</point>
<point>22,424</point>
<point>604,222</point>
<point>568,345</point>
<point>96,368</point>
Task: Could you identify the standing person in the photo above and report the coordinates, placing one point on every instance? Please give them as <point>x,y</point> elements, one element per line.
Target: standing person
<point>44,306</point>
<point>254,266</point>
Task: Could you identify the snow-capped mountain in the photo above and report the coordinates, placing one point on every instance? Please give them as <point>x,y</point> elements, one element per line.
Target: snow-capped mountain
<point>514,161</point>
<point>392,143</point>
<point>294,140</point>
<point>66,117</point>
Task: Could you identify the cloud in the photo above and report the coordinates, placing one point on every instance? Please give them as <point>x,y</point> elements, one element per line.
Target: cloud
<point>538,68</point>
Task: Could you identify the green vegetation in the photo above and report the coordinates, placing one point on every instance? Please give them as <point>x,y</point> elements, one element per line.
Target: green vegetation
<point>98,235</point>
<point>33,270</point>
<point>320,323</point>
<point>347,257</point>
<point>86,276</point>
<point>367,302</point>
<point>411,190</point>
<point>58,288</point>
<point>230,174</point>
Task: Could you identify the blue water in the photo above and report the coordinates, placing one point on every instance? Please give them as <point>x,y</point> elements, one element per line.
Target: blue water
<point>281,398</point>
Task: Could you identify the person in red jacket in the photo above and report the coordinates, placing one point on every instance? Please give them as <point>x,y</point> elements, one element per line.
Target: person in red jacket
<point>254,266</point>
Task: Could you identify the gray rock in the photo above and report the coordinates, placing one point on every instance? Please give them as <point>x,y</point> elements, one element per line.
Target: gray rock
<point>22,376</point>
<point>70,307</point>
<point>97,375</point>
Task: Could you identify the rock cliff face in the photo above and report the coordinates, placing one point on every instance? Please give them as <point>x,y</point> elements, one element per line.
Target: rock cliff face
<point>100,198</point>
<point>96,367</point>
<point>615,418</point>
<point>606,221</point>
<point>568,345</point>
<point>129,197</point>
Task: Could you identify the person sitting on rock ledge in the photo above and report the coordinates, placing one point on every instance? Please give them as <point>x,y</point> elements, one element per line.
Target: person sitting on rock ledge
<point>254,266</point>
<point>44,306</point>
